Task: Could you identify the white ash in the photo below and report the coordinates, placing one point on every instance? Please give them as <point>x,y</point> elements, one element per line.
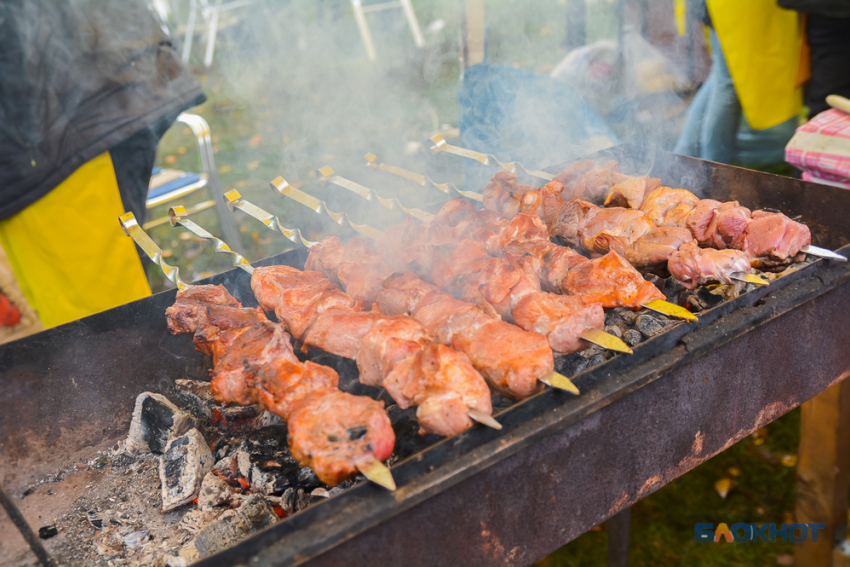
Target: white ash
<point>182,468</point>
<point>215,492</point>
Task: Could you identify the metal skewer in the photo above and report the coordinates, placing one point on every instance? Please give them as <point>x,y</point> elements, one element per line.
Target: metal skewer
<point>823,253</point>
<point>132,229</point>
<point>392,203</point>
<point>749,278</point>
<point>422,180</point>
<point>554,379</point>
<point>440,145</point>
<point>177,216</point>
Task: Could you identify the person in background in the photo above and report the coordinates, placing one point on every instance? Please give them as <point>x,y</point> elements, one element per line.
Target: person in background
<point>755,70</point>
<point>87,90</point>
<point>828,35</point>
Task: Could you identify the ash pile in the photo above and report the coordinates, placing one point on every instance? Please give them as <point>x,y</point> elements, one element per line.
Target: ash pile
<point>192,478</point>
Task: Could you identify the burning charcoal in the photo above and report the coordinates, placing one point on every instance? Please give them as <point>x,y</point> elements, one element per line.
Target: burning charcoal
<point>94,519</point>
<point>632,337</point>
<point>335,490</point>
<point>268,482</point>
<point>614,330</point>
<point>628,316</point>
<point>307,479</point>
<point>596,360</point>
<point>195,396</point>
<point>573,364</point>
<point>227,468</point>
<point>649,325</point>
<point>214,492</point>
<point>254,514</point>
<point>268,419</point>
<point>243,461</point>
<point>397,415</point>
<point>589,353</point>
<point>182,468</point>
<point>47,532</point>
<point>156,421</point>
<point>710,299</point>
<point>137,538</point>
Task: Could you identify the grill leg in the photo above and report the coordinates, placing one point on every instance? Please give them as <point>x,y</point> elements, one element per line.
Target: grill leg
<point>619,528</point>
<point>823,475</point>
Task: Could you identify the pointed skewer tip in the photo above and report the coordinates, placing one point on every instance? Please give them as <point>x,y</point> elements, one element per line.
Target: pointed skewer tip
<point>749,278</point>
<point>483,418</point>
<point>560,382</point>
<point>606,340</point>
<point>823,253</point>
<point>377,472</point>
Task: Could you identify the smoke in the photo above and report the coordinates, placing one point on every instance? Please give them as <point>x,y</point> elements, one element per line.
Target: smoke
<point>291,90</point>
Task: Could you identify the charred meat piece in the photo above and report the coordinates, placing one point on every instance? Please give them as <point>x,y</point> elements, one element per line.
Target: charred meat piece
<point>611,281</point>
<point>233,375</point>
<point>190,308</point>
<point>443,384</point>
<point>773,241</point>
<point>631,192</point>
<point>391,341</point>
<point>650,252</point>
<point>282,383</point>
<point>326,433</point>
<point>560,318</point>
<point>693,266</point>
<point>669,207</point>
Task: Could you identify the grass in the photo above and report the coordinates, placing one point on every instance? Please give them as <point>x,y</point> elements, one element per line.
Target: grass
<point>291,91</point>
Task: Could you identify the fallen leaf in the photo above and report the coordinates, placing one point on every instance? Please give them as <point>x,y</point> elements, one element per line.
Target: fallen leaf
<point>253,165</point>
<point>185,236</point>
<point>181,150</point>
<point>255,140</point>
<point>734,471</point>
<point>167,253</point>
<point>723,486</point>
<point>789,461</point>
<point>170,160</point>
<point>242,183</point>
<point>224,169</point>
<point>785,560</point>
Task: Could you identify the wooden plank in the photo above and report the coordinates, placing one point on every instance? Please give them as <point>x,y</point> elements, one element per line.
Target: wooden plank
<point>823,472</point>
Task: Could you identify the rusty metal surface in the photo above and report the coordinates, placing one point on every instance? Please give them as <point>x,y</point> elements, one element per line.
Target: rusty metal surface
<point>560,465</point>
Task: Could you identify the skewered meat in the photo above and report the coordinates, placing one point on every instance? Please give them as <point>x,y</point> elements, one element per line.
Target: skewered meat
<point>511,359</point>
<point>233,373</point>
<point>650,252</point>
<point>593,183</point>
<point>669,207</point>
<point>351,266</point>
<point>613,229</point>
<point>574,170</point>
<point>699,221</point>
<point>256,364</point>
<point>560,318</point>
<point>190,307</point>
<point>693,266</point>
<point>504,194</point>
<point>727,226</point>
<point>330,431</point>
<point>385,348</point>
<point>631,192</point>
<point>611,281</point>
<point>773,241</point>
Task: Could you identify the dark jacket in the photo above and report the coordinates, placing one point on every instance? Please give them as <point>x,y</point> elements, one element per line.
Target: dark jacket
<point>78,77</point>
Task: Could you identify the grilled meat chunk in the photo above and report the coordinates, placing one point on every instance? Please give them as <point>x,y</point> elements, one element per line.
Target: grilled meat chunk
<point>693,266</point>
<point>560,318</point>
<point>773,241</point>
<point>650,252</point>
<point>631,192</point>
<point>611,281</point>
<point>190,308</point>
<point>669,207</point>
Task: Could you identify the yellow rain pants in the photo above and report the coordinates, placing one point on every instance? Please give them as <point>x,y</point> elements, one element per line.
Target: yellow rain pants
<point>762,44</point>
<point>68,251</point>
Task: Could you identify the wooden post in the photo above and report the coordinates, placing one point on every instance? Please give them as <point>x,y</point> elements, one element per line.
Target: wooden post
<point>619,535</point>
<point>823,473</point>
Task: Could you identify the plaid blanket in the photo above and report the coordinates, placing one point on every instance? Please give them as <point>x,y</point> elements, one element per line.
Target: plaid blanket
<point>821,148</point>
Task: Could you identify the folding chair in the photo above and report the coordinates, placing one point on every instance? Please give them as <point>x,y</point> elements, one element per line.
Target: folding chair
<point>211,15</point>
<point>170,184</point>
<point>360,12</point>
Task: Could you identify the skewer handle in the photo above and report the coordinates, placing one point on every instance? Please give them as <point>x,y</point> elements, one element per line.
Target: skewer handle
<point>440,145</point>
<point>391,203</point>
<point>670,309</point>
<point>823,253</point>
<point>131,228</point>
<point>483,418</point>
<point>749,278</point>
<point>560,382</point>
<point>377,472</point>
<point>606,340</point>
<point>235,201</point>
<point>177,215</point>
<point>422,180</point>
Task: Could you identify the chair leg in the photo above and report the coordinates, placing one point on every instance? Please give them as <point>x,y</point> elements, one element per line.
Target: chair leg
<point>190,30</point>
<point>365,34</point>
<point>211,34</point>
<point>413,22</point>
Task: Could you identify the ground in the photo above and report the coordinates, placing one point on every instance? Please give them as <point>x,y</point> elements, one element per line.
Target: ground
<point>291,90</point>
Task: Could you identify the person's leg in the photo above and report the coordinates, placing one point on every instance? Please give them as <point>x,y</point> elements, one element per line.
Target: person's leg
<point>689,139</point>
<point>723,112</point>
<point>829,40</point>
<point>68,251</point>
